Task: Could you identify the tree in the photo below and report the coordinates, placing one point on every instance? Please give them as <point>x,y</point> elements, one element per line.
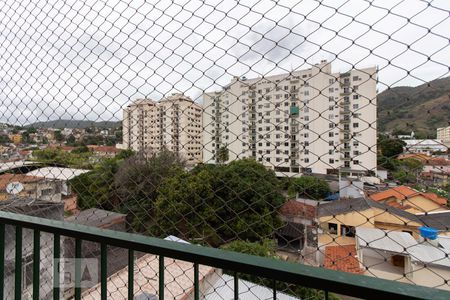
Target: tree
<point>388,163</point>
<point>267,248</point>
<point>309,187</point>
<point>137,181</point>
<point>96,188</point>
<point>390,147</point>
<point>71,140</point>
<point>223,154</point>
<point>81,149</point>
<point>408,170</point>
<point>58,136</point>
<point>220,203</point>
<point>4,139</point>
<point>26,137</point>
<point>31,129</point>
<point>404,177</point>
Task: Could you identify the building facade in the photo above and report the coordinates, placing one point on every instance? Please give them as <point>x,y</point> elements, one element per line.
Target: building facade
<point>174,123</point>
<point>443,134</point>
<point>309,121</point>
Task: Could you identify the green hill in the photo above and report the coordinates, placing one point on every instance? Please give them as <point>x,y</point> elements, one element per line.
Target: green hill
<point>421,109</point>
<point>75,124</point>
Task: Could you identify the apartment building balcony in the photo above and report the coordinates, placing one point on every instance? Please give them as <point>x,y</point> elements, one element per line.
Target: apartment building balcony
<point>344,110</point>
<point>344,120</point>
<point>164,253</point>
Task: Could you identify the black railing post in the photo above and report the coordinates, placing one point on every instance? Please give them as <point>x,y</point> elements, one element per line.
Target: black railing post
<point>36,263</point>
<point>161,277</point>
<point>274,284</point>
<point>18,265</point>
<point>77,269</point>
<point>56,258</point>
<point>103,270</point>
<point>2,260</point>
<point>196,287</point>
<point>130,274</point>
<point>236,286</point>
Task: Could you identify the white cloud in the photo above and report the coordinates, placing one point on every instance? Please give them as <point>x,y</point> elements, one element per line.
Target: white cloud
<point>87,60</point>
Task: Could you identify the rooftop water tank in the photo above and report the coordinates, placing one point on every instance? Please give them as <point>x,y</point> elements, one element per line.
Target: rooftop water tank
<point>428,233</point>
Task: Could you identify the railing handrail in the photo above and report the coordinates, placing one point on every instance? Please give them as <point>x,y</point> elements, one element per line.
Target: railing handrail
<point>307,276</point>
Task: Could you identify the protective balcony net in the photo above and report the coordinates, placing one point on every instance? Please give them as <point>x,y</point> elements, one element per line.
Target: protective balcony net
<point>315,132</point>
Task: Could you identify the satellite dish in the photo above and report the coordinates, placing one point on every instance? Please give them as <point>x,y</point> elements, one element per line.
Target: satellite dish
<point>14,188</point>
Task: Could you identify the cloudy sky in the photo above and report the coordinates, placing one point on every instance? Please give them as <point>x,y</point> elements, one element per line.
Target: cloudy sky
<point>87,59</point>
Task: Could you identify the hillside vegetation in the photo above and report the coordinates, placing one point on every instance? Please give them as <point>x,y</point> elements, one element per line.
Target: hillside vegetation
<point>421,109</point>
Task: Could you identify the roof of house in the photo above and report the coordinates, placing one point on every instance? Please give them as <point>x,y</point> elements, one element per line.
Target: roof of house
<point>299,209</point>
<point>438,220</point>
<point>342,258</point>
<point>429,254</point>
<point>293,230</point>
<point>394,241</point>
<point>96,217</point>
<point>405,192</point>
<point>223,288</point>
<point>402,243</point>
<point>178,280</point>
<point>5,179</point>
<point>103,148</point>
<point>348,205</point>
<point>57,173</point>
<point>33,207</point>
<point>418,156</point>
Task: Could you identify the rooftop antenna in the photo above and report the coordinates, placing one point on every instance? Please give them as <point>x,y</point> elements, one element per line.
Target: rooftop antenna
<point>13,188</point>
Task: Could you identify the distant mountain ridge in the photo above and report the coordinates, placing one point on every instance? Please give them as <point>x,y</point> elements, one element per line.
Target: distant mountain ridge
<point>421,109</point>
<point>60,124</point>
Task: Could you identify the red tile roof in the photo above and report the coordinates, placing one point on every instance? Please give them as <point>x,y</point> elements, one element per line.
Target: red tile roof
<point>298,209</point>
<point>428,160</point>
<point>419,156</point>
<point>399,193</point>
<point>5,179</point>
<point>404,192</point>
<point>342,258</point>
<point>106,149</point>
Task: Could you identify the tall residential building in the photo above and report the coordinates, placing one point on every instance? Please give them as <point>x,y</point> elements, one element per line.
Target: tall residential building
<point>174,123</point>
<point>443,134</point>
<point>308,121</point>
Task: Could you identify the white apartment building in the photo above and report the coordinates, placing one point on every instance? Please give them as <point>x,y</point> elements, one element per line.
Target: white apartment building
<point>443,134</point>
<point>308,121</point>
<point>174,123</point>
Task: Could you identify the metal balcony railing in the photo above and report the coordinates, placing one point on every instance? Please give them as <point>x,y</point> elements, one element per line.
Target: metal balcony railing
<point>237,263</point>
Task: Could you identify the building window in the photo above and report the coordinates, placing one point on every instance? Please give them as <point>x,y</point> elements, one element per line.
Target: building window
<point>348,231</point>
<point>332,228</point>
<point>355,125</point>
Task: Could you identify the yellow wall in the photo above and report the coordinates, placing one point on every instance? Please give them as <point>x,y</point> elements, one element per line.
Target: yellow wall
<point>16,138</point>
<point>372,218</point>
<point>421,204</point>
<point>356,219</point>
